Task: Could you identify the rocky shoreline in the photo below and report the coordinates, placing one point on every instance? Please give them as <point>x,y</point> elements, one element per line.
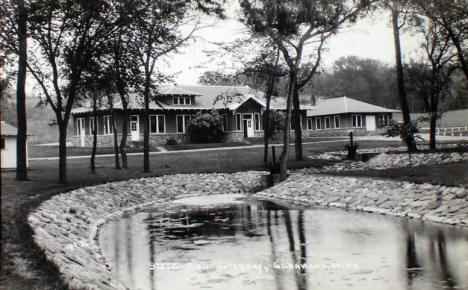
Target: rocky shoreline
<point>427,202</point>
<point>66,226</point>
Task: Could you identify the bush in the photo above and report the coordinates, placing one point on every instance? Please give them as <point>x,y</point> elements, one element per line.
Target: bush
<point>171,141</point>
<point>276,124</point>
<point>206,127</point>
<point>402,130</point>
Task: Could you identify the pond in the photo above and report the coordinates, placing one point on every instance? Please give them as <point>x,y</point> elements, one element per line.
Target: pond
<point>230,242</point>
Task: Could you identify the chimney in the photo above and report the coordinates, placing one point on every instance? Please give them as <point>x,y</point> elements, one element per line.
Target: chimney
<point>314,100</point>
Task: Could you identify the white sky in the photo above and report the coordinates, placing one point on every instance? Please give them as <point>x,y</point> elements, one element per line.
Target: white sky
<point>368,38</point>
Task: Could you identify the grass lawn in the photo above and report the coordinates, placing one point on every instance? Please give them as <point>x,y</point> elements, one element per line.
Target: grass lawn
<point>23,264</point>
<point>53,150</point>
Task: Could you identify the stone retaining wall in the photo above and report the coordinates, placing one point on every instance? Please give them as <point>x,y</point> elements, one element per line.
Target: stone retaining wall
<point>66,226</point>
<point>427,202</point>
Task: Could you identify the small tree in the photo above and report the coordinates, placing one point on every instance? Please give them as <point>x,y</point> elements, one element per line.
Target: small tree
<point>206,127</point>
<point>402,130</point>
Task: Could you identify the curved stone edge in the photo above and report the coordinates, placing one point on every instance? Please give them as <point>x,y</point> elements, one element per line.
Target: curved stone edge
<point>427,202</point>
<point>66,226</point>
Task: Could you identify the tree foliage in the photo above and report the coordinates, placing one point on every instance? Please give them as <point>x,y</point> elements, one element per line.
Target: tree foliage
<point>292,26</point>
<point>206,127</point>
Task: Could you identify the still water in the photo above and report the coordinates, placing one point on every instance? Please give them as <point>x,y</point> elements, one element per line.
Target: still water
<point>227,242</point>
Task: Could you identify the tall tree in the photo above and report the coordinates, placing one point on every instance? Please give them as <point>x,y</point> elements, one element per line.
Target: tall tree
<point>395,6</point>
<point>157,33</point>
<point>123,69</point>
<point>292,25</point>
<point>432,77</point>
<point>306,73</point>
<point>66,34</point>
<point>13,32</point>
<point>265,68</point>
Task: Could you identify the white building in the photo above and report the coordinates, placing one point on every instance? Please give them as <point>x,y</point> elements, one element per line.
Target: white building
<point>8,145</point>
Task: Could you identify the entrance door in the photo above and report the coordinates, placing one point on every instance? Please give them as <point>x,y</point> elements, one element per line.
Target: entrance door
<point>248,125</point>
<point>81,131</point>
<point>134,128</point>
<point>370,123</point>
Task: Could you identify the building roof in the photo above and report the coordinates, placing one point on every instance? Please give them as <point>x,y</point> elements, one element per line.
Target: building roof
<point>8,130</point>
<point>343,105</point>
<point>205,97</point>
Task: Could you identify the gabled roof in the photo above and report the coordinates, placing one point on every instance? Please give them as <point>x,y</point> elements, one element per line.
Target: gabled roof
<point>343,105</point>
<point>205,98</point>
<point>8,130</point>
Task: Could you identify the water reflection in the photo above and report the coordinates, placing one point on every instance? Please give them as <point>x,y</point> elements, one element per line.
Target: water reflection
<point>260,245</point>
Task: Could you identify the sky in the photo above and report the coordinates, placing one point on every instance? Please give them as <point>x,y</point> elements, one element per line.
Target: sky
<point>368,38</point>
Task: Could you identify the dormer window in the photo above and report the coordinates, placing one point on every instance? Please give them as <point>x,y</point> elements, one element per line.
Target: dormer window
<point>182,100</point>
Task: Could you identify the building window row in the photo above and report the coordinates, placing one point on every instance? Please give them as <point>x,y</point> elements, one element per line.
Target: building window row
<point>322,123</point>
<point>182,100</point>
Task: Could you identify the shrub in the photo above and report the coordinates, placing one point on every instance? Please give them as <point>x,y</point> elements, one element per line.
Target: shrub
<point>206,127</point>
<point>276,124</point>
<point>402,130</point>
<point>171,141</point>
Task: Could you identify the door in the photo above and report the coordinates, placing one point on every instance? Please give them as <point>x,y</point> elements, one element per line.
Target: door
<point>370,123</point>
<point>134,128</point>
<point>248,125</point>
<point>81,131</point>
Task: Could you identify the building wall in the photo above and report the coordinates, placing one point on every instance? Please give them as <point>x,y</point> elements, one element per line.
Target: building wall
<point>231,136</point>
<point>8,154</point>
<point>346,125</point>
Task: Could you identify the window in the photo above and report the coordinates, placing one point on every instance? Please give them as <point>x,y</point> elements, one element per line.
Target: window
<point>357,121</point>
<point>182,122</point>
<point>327,123</point>
<point>182,100</point>
<point>2,143</point>
<point>157,124</point>
<point>336,120</point>
<point>383,120</point>
<point>91,125</point>
<point>225,122</point>
<point>318,123</point>
<point>310,124</point>
<point>238,122</point>
<point>257,121</point>
<point>80,126</point>
<point>108,125</point>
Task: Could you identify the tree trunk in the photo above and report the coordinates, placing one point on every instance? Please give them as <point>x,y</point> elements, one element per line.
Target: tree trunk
<point>297,125</point>
<point>62,152</point>
<point>266,118</point>
<point>123,141</point>
<point>266,130</point>
<point>410,143</point>
<point>21,146</point>
<point>93,152</point>
<point>460,51</point>
<point>146,165</point>
<point>432,129</point>
<point>285,153</point>
<point>116,145</point>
